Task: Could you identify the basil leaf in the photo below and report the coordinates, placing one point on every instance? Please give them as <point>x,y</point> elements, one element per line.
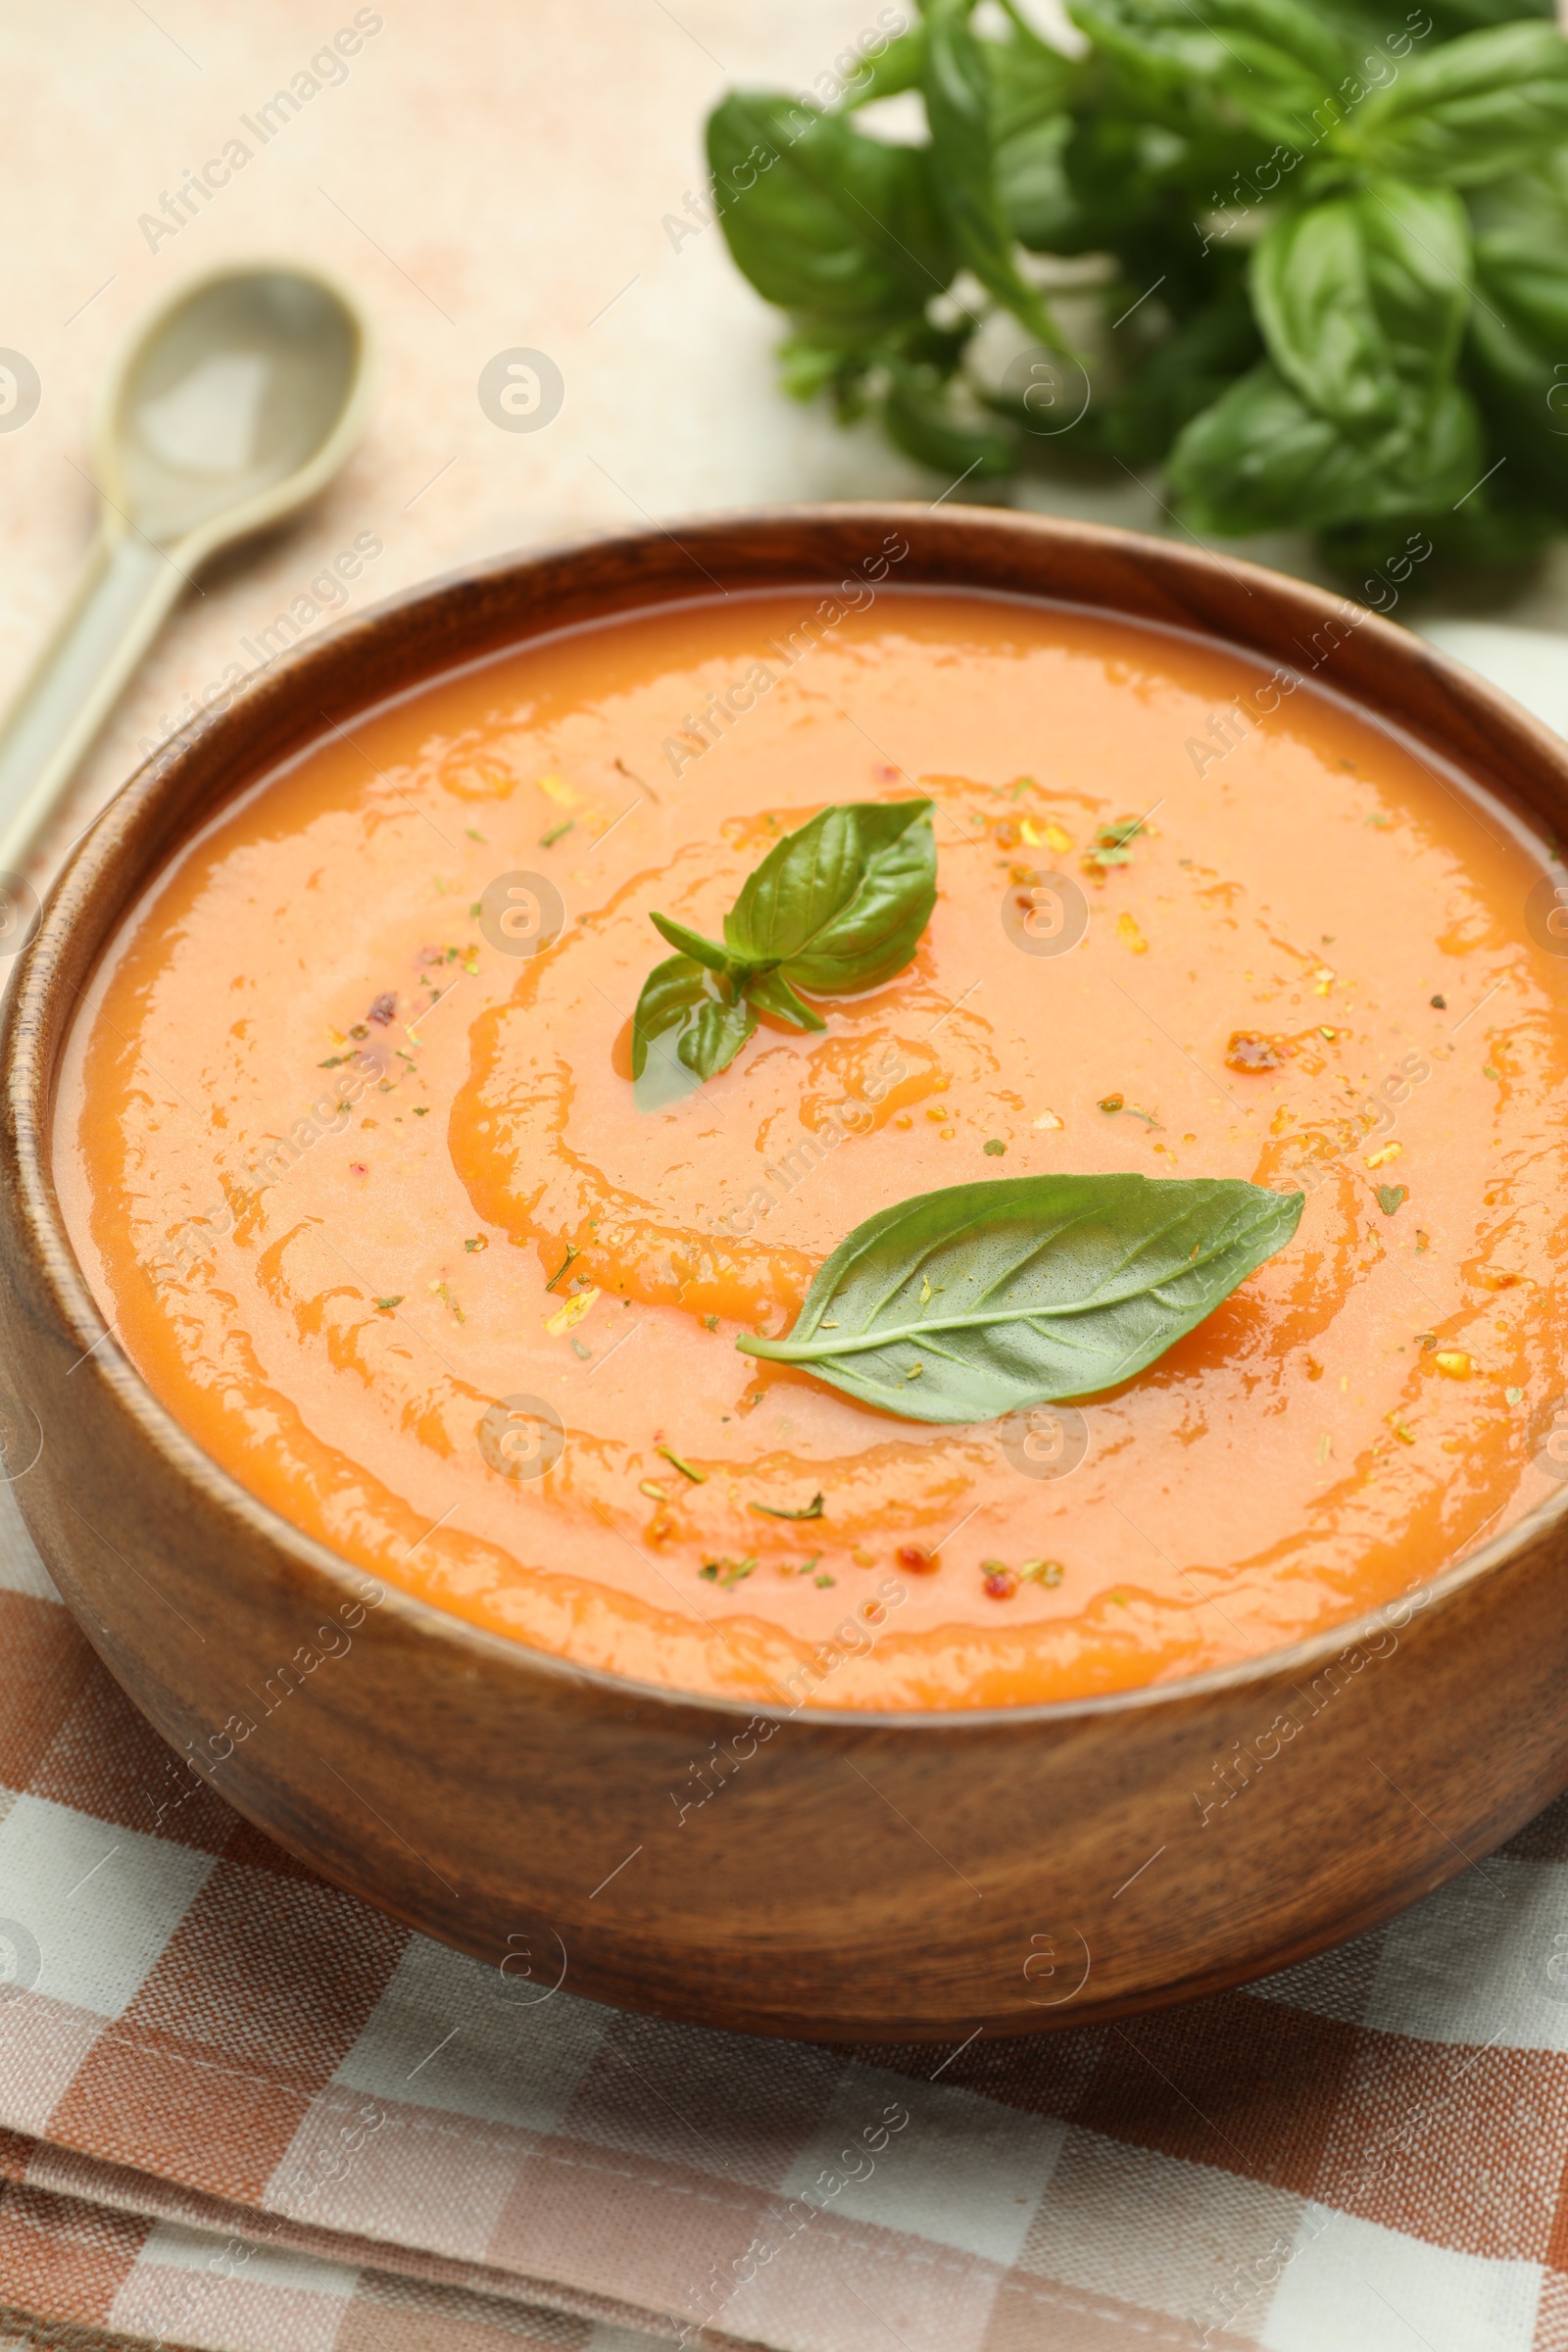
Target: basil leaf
<point>684,1013</point>
<point>1529,283</point>
<point>770,991</point>
<point>957,87</point>
<point>1362,301</point>
<point>962,1304</point>
<point>1040,201</point>
<point>694,945</point>
<point>918,419</point>
<point>1030,81</point>
<point>1118,202</point>
<point>1270,61</point>
<point>841,904</point>
<point>672,995</point>
<point>1455,17</point>
<point>721,1028</point>
<point>898,69</point>
<point>1261,459</point>
<point>807,366</point>
<point>1192,366</point>
<point>1471,109</point>
<point>826,222</point>
<point>1517,332</point>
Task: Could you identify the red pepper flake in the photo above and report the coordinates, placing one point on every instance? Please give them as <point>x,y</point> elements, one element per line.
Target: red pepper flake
<point>1250,1050</point>
<point>357,1168</point>
<point>1001,1583</point>
<point>383,1007</point>
<point>916,1559</point>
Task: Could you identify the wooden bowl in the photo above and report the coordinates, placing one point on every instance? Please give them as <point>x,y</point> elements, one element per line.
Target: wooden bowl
<point>853,1877</point>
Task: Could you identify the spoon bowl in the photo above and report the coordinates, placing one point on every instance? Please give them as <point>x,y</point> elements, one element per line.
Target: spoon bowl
<point>232,402</point>
<point>232,405</point>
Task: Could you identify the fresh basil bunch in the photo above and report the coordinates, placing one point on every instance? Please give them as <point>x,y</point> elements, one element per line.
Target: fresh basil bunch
<point>1344,229</point>
<point>836,907</point>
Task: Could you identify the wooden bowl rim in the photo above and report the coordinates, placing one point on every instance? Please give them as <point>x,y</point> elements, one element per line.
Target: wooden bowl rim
<point>85,890</point>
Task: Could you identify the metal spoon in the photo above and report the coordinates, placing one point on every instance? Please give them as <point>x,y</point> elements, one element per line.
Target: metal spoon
<point>232,404</point>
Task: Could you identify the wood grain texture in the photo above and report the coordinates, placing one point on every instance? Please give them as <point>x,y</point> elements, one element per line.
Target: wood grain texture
<point>851,1877</point>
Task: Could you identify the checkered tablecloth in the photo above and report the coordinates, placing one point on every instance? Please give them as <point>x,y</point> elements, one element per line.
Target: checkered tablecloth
<point>241,2111</point>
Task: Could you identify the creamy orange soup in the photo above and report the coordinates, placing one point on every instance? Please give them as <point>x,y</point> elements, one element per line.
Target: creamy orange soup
<point>349,1146</point>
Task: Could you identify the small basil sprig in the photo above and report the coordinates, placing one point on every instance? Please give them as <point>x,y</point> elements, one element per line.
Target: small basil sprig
<point>982,1298</point>
<point>836,907</point>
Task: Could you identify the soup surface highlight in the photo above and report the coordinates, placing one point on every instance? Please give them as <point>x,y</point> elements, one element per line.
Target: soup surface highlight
<point>350,1149</point>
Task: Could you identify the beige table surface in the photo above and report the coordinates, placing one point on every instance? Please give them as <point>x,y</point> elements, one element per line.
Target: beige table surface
<point>487,178</point>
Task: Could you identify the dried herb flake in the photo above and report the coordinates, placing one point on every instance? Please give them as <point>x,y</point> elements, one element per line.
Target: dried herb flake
<point>699,1478</point>
<point>727,1572</point>
<point>774,1510</point>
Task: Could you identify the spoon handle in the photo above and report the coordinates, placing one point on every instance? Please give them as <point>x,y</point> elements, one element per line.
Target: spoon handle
<point>121,596</point>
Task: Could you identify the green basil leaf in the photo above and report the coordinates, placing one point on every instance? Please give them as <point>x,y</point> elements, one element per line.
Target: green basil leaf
<point>977,1301</point>
<point>1519,365</point>
<point>841,904</point>
<point>918,418</point>
<point>1534,199</point>
<point>1362,301</point>
<point>686,1014</point>
<point>1261,459</point>
<point>1030,81</point>
<point>957,91</point>
<point>825,222</point>
<point>898,69</point>
<point>1039,199</point>
<point>693,944</point>
<point>809,364</point>
<point>1453,17</point>
<point>1194,364</point>
<point>1106,161</point>
<point>720,1029</point>
<point>1529,283</point>
<point>673,996</point>
<point>1470,110</point>
<point>1270,61</point>
<point>770,991</point>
